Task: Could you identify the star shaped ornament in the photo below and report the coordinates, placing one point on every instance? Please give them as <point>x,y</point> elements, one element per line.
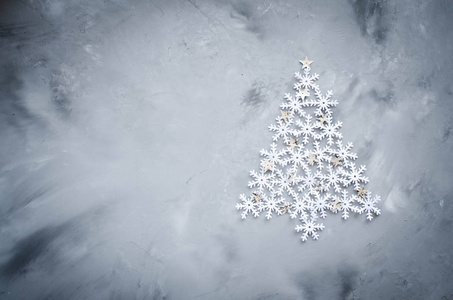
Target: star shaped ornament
<point>293,143</point>
<point>336,161</point>
<point>305,63</point>
<point>319,187</point>
<point>267,165</point>
<point>312,159</point>
<point>257,197</point>
<point>291,179</point>
<point>361,192</point>
<point>322,119</point>
<point>285,115</point>
<point>336,204</point>
<point>285,208</point>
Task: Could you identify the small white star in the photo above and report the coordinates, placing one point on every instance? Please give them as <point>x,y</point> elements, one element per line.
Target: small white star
<point>305,63</point>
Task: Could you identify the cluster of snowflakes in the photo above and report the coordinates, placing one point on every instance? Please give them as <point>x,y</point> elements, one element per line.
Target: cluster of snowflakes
<point>308,170</point>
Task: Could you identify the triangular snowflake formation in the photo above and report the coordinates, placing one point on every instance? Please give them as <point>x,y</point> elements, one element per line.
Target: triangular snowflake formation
<point>308,171</point>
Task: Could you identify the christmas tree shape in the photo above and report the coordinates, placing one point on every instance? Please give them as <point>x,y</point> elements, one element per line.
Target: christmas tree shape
<point>308,172</point>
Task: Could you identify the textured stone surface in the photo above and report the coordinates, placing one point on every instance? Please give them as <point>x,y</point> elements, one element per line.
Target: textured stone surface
<point>128,129</point>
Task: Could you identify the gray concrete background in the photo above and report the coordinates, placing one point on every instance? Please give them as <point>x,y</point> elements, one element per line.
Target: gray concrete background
<point>128,129</point>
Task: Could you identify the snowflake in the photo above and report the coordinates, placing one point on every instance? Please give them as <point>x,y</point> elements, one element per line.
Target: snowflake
<point>333,179</point>
<point>285,182</point>
<point>293,105</point>
<point>306,80</point>
<point>355,176</point>
<point>309,228</point>
<point>274,156</point>
<point>261,180</point>
<point>308,164</point>
<point>301,206</point>
<point>369,205</point>
<point>343,152</point>
<point>271,205</point>
<point>309,182</point>
<point>321,203</point>
<point>248,206</point>
<point>347,205</point>
<point>307,129</point>
<point>330,130</point>
<point>322,103</point>
<point>283,129</point>
<point>297,158</point>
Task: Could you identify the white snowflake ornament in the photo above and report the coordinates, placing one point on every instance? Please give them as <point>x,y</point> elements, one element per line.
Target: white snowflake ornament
<point>343,153</point>
<point>261,180</point>
<point>247,205</point>
<point>322,103</point>
<point>282,129</point>
<point>306,81</point>
<point>273,155</point>
<point>293,105</point>
<point>306,129</point>
<point>347,205</point>
<point>308,172</point>
<point>309,227</point>
<point>369,206</point>
<point>271,205</point>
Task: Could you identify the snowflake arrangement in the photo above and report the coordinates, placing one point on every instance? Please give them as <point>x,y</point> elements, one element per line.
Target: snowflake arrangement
<point>308,171</point>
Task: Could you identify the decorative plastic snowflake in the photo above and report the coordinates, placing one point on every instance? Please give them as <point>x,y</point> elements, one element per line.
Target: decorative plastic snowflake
<point>309,228</point>
<point>308,171</point>
<point>369,205</point>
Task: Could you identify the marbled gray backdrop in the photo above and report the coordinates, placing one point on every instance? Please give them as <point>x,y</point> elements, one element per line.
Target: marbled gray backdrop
<point>128,129</point>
